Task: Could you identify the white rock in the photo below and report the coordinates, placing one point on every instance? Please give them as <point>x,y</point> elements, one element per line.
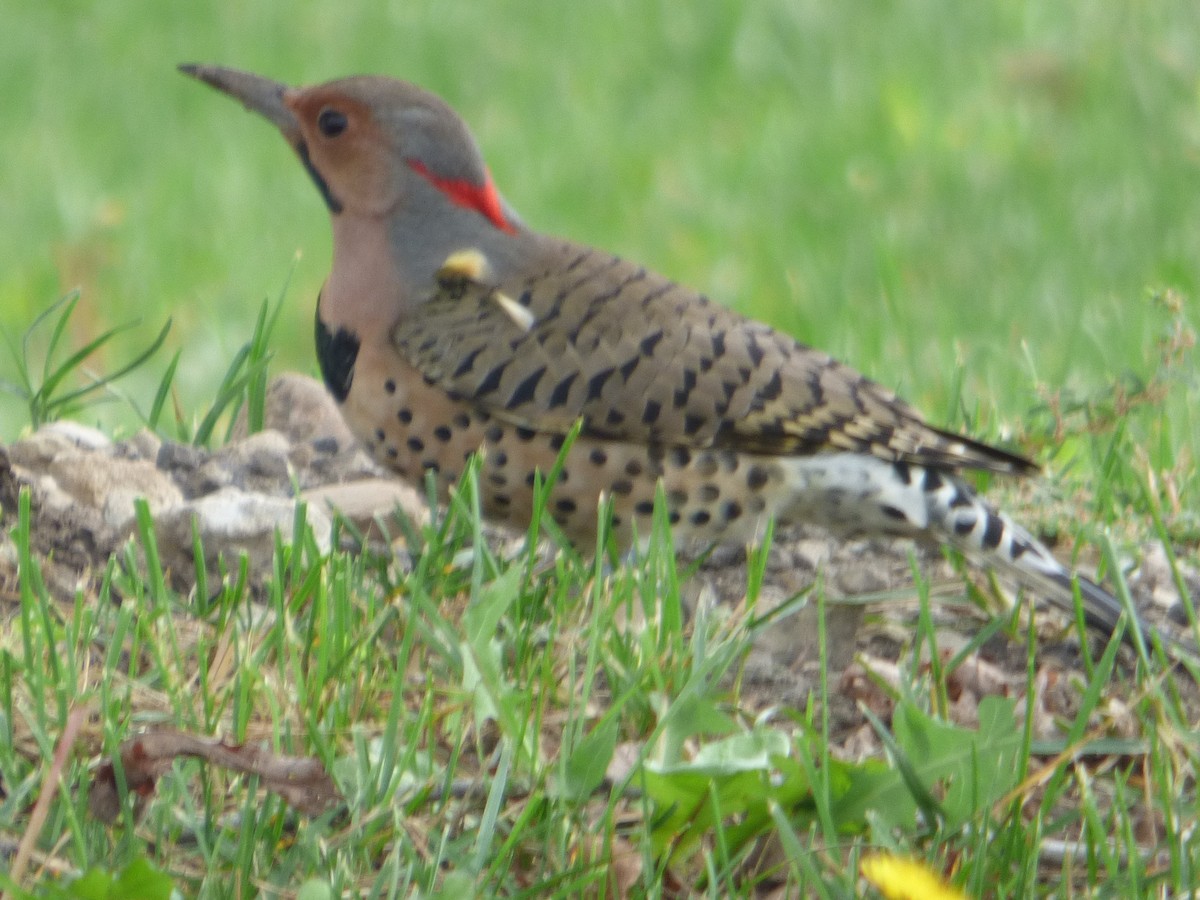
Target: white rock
<point>54,440</point>
<point>46,494</point>
<point>112,485</point>
<point>231,522</point>
<point>82,436</point>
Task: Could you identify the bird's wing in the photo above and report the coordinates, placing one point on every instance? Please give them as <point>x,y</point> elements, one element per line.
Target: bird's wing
<point>639,358</point>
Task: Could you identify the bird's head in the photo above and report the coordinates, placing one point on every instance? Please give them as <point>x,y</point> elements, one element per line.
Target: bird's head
<point>373,145</point>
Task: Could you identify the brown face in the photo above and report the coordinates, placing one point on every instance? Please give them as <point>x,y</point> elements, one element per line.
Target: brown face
<point>347,153</point>
<point>332,128</point>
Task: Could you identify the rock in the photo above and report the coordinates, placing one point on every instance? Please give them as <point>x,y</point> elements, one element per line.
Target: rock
<point>82,436</point>
<point>83,486</point>
<point>303,410</point>
<point>47,494</point>
<point>323,450</point>
<point>112,485</point>
<point>264,454</point>
<point>316,467</point>
<point>143,445</point>
<point>367,501</point>
<point>325,445</point>
<point>73,536</point>
<point>181,461</point>
<point>51,441</point>
<point>231,522</point>
<point>255,463</point>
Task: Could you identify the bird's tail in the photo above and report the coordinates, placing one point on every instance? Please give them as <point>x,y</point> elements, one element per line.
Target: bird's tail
<point>852,492</point>
<point>990,537</point>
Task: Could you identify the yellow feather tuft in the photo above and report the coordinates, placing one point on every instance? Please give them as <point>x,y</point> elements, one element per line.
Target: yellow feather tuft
<point>460,265</point>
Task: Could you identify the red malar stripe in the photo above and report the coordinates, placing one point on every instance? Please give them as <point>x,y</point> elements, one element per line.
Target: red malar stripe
<point>482,198</point>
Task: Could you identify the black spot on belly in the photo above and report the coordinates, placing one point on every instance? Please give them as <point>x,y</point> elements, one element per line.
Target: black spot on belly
<point>336,354</point>
<point>757,478</point>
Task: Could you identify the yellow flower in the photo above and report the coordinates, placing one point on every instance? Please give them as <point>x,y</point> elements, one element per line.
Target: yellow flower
<point>898,878</point>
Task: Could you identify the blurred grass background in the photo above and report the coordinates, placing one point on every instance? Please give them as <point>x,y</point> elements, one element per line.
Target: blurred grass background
<point>960,199</point>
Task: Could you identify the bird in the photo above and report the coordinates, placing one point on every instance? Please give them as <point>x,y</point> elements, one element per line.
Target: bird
<point>448,328</point>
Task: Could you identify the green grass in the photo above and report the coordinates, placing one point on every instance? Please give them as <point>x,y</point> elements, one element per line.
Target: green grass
<point>994,208</point>
<point>470,709</point>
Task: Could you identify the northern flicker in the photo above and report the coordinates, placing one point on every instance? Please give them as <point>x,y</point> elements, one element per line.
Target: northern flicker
<point>447,326</point>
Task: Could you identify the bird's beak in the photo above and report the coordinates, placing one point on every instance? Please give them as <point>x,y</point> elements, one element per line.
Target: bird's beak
<point>258,94</point>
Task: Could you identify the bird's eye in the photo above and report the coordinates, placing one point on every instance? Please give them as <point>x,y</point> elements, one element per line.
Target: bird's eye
<point>331,122</point>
